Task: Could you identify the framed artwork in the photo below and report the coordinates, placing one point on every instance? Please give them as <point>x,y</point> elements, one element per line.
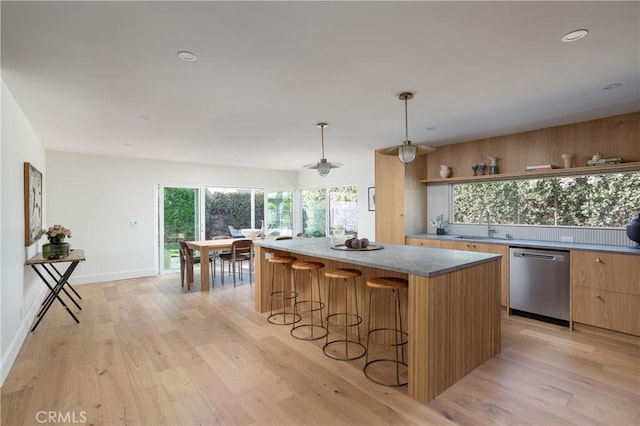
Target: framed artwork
<point>32,204</point>
<point>372,199</point>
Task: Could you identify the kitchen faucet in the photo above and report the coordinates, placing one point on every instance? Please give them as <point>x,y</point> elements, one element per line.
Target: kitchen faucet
<point>485,212</point>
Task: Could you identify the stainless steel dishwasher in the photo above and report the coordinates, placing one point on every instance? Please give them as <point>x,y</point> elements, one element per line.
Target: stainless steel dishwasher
<point>539,284</point>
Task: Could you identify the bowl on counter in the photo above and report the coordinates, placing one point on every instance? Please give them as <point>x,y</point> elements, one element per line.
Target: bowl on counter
<point>251,233</point>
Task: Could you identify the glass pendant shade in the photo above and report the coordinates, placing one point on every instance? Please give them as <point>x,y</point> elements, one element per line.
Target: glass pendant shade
<point>407,153</point>
<point>323,167</point>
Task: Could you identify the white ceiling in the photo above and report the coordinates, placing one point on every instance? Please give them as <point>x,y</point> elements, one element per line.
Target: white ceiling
<point>85,73</point>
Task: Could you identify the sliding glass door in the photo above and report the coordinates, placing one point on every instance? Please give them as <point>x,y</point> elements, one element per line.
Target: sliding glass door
<point>179,214</point>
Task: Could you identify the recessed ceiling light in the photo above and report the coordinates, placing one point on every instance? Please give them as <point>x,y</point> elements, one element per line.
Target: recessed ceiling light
<point>574,35</point>
<point>612,86</point>
<point>187,56</point>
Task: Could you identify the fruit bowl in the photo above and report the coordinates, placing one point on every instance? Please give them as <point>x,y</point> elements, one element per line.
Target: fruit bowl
<point>251,233</point>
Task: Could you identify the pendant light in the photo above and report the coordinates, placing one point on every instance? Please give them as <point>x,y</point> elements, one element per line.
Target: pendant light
<point>323,166</point>
<point>407,152</point>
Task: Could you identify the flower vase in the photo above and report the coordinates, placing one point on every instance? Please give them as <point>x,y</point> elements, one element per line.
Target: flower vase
<point>445,171</point>
<point>55,250</point>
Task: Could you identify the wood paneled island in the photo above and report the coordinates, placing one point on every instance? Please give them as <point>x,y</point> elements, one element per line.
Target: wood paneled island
<point>452,306</point>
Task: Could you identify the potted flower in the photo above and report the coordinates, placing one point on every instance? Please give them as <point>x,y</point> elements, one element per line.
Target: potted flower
<point>57,248</point>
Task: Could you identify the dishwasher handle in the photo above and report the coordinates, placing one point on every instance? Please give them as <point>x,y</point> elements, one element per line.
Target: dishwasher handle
<point>541,256</point>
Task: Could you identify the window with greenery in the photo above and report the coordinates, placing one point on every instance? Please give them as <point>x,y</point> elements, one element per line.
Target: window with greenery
<point>608,200</point>
<point>343,211</point>
<point>332,211</point>
<point>280,213</point>
<point>240,208</point>
<point>314,212</point>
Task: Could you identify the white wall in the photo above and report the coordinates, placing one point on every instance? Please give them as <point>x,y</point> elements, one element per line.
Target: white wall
<point>20,289</point>
<point>361,174</point>
<point>97,197</point>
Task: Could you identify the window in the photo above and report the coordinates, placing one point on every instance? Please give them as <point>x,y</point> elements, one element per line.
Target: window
<point>330,211</point>
<point>608,200</point>
<point>280,213</point>
<point>314,212</point>
<point>240,208</point>
<point>343,212</point>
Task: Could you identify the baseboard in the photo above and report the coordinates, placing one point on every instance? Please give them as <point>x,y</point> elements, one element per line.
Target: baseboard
<point>14,347</point>
<point>114,276</point>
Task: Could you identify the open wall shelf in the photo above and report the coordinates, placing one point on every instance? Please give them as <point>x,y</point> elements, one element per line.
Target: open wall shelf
<point>573,171</point>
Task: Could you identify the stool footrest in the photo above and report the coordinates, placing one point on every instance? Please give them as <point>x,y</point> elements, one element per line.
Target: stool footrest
<point>284,295</point>
<point>403,334</point>
<point>316,305</point>
<point>358,319</point>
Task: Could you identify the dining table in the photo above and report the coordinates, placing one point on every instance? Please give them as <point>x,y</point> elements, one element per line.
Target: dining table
<point>205,247</point>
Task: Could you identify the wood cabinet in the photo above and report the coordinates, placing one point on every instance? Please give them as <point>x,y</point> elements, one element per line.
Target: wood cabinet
<point>487,248</point>
<point>616,136</point>
<point>605,290</point>
<point>401,199</point>
<point>422,242</point>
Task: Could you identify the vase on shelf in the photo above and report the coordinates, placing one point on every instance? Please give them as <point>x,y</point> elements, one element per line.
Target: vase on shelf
<point>55,249</point>
<point>445,171</point>
<point>568,160</point>
<point>493,167</point>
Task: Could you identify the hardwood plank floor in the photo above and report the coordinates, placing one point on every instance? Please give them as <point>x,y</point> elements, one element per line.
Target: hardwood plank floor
<point>147,352</point>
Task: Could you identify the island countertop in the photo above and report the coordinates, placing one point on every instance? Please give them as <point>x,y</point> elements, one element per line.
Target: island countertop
<point>420,261</point>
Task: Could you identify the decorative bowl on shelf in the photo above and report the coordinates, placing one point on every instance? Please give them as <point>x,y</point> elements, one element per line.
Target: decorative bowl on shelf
<point>251,233</point>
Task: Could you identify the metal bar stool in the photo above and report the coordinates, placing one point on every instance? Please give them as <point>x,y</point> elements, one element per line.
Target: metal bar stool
<point>400,337</point>
<point>284,295</point>
<point>348,319</point>
<point>309,330</point>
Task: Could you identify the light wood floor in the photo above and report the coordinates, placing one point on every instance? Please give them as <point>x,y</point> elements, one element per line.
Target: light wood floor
<point>146,352</point>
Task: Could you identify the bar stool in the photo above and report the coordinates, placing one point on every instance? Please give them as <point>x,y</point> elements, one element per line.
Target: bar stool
<point>312,304</point>
<point>284,294</point>
<point>400,337</point>
<point>349,319</point>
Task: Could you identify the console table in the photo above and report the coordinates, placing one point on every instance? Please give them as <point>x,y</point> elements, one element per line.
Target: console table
<point>56,281</point>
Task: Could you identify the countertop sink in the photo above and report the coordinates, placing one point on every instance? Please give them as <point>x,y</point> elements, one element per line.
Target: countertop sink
<point>475,237</point>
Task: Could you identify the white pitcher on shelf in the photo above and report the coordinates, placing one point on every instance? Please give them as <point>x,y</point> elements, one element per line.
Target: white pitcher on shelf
<point>445,171</point>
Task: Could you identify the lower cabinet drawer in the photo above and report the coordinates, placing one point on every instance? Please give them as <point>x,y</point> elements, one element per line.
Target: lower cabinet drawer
<point>606,309</point>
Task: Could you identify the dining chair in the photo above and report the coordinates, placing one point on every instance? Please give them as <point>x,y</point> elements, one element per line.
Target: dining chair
<point>241,251</point>
<point>186,254</point>
<point>216,254</point>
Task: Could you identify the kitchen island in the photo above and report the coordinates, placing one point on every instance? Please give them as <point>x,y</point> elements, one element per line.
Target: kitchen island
<point>452,306</point>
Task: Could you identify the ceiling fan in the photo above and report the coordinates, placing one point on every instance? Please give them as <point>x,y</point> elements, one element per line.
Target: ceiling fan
<point>407,152</point>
